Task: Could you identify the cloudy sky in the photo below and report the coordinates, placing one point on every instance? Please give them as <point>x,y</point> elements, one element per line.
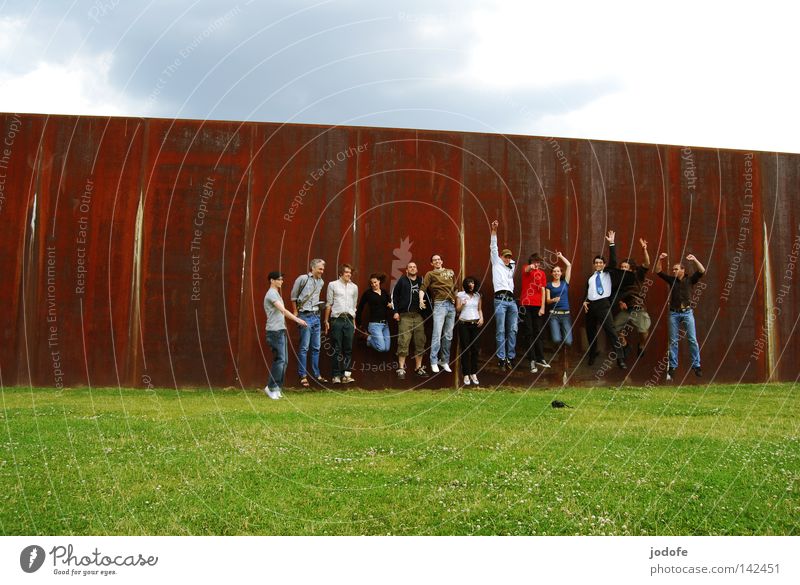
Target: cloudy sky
<point>688,73</point>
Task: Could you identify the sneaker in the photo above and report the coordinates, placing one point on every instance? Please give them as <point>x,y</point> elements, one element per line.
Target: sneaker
<point>401,373</point>
<point>670,373</point>
<point>337,380</point>
<point>510,363</point>
<point>446,368</point>
<point>274,394</point>
<point>467,381</point>
<point>534,369</point>
<point>347,379</point>
<point>698,372</point>
<point>542,363</point>
<point>421,372</point>
<point>474,378</point>
<point>280,393</point>
<point>435,368</point>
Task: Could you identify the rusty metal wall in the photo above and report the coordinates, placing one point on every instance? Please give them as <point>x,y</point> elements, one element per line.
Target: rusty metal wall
<point>135,251</point>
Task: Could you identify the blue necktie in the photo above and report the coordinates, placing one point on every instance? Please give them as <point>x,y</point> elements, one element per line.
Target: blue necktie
<point>599,284</point>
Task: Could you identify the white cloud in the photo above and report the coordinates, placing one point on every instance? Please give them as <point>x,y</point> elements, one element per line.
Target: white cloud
<point>683,73</point>
<point>79,85</point>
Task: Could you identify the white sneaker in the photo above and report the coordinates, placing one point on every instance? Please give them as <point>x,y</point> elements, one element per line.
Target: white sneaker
<point>274,394</point>
<point>280,393</point>
<point>435,368</point>
<point>446,368</point>
<point>474,379</point>
<point>543,363</point>
<point>337,380</point>
<point>534,369</point>
<point>467,381</point>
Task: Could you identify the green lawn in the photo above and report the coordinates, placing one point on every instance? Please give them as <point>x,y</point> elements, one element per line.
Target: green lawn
<point>669,460</point>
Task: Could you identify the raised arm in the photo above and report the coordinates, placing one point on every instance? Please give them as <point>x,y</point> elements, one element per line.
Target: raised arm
<point>700,268</point>
<point>612,249</point>
<point>494,251</point>
<point>660,262</point>
<point>567,264</point>
<point>646,255</point>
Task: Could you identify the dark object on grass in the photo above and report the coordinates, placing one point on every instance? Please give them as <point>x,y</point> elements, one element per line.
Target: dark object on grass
<point>559,404</point>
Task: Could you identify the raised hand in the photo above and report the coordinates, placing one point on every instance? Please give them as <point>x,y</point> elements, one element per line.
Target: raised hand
<point>610,236</point>
<point>662,256</point>
<point>495,223</point>
<point>643,243</point>
<point>691,258</point>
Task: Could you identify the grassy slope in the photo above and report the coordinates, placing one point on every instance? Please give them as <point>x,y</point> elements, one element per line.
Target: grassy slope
<point>698,460</point>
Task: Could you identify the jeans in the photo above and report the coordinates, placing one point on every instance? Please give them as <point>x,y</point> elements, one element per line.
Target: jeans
<point>342,336</point>
<point>277,341</point>
<point>561,329</point>
<point>506,316</point>
<point>675,320</point>
<point>444,319</point>
<point>378,336</point>
<point>310,335</point>
<point>468,334</point>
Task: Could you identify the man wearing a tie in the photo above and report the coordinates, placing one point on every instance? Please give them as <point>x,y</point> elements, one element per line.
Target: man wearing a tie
<point>597,305</point>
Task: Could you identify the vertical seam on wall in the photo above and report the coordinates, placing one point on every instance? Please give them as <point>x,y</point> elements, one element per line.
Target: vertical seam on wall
<point>136,272</point>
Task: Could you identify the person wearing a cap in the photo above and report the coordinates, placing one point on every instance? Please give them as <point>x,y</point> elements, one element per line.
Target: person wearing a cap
<point>532,299</point>
<point>506,313</point>
<point>276,334</point>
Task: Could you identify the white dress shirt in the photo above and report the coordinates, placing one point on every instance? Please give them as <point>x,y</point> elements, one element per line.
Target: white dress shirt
<point>342,298</point>
<point>605,278</point>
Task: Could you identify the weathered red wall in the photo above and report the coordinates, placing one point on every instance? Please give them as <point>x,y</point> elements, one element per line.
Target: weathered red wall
<point>135,251</point>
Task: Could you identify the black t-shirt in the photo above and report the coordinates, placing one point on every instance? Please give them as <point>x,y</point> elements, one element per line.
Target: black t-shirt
<point>377,303</point>
<point>414,295</point>
<point>680,291</point>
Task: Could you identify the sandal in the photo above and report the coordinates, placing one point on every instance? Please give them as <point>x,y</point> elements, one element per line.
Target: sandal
<point>304,382</point>
<point>322,380</point>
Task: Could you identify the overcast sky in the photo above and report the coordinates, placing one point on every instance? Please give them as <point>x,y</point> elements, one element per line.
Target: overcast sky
<point>684,73</point>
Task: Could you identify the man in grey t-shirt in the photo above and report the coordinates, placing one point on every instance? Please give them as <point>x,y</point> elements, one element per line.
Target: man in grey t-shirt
<point>276,334</point>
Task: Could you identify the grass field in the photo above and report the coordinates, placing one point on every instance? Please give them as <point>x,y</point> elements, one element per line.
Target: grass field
<point>669,460</point>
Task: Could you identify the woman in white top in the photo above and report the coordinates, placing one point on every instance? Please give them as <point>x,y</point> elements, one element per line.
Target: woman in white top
<point>470,319</point>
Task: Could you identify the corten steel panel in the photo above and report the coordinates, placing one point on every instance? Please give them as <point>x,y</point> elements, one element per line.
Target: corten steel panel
<point>78,326</point>
<point>627,196</point>
<point>780,178</point>
<point>707,211</point>
<point>20,136</point>
<point>301,207</point>
<point>193,229</point>
<point>639,190</point>
<point>408,208</point>
<point>504,179</point>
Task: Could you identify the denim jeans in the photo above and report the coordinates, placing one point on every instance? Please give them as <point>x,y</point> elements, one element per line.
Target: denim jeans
<point>444,319</point>
<point>675,320</point>
<point>506,316</point>
<point>309,336</point>
<point>378,336</point>
<point>342,337</point>
<point>561,329</point>
<point>277,341</point>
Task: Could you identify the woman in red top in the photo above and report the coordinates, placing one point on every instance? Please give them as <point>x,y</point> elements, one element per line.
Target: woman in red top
<point>532,301</point>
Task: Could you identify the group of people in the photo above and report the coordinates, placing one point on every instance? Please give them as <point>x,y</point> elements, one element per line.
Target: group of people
<point>614,302</point>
